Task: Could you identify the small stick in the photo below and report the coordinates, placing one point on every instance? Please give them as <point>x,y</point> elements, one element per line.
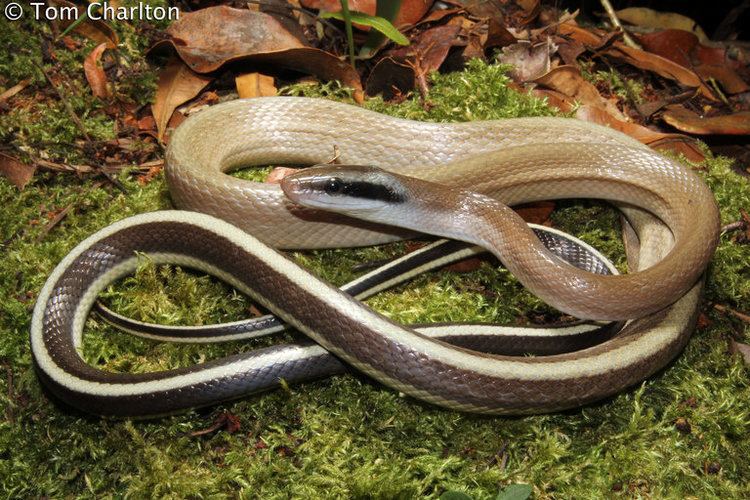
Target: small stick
<point>733,226</point>
<point>739,315</point>
<point>66,103</point>
<point>613,17</point>
<point>15,89</point>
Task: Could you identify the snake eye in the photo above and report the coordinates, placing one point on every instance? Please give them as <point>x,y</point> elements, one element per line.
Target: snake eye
<point>334,186</point>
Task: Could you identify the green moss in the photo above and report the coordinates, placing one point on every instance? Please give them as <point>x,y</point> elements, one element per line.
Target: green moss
<point>349,436</point>
<point>625,88</point>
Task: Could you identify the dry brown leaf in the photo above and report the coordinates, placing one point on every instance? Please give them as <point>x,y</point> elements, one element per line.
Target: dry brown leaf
<point>683,119</point>
<point>211,37</point>
<point>146,123</point>
<point>18,173</point>
<point>279,173</point>
<point>536,213</point>
<point>675,45</point>
<point>255,85</point>
<point>401,68</point>
<point>729,80</point>
<point>391,78</point>
<point>177,85</point>
<point>482,9</point>
<point>649,18</point>
<point>529,61</point>
<point>93,29</point>
<point>568,81</point>
<point>208,38</point>
<point>95,75</point>
<point>638,58</point>
<point>657,140</point>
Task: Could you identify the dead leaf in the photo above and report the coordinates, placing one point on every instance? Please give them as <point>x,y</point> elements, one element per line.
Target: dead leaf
<point>146,123</point>
<point>729,80</point>
<point>529,11</point>
<point>402,68</point>
<point>93,29</point>
<point>209,38</point>
<point>254,85</point>
<point>649,18</point>
<point>224,421</point>
<point>279,173</point>
<point>656,140</point>
<point>18,173</point>
<point>536,213</point>
<point>391,78</point>
<point>568,81</point>
<point>675,45</point>
<point>636,57</point>
<point>95,75</point>
<point>437,15</point>
<point>683,119</point>
<point>529,61</point>
<point>481,9</point>
<point>177,85</point>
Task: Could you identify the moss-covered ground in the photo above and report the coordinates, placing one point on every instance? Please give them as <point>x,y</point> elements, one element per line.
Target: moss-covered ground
<point>682,433</point>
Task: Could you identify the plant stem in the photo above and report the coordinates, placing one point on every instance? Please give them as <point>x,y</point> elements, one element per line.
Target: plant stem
<point>349,34</point>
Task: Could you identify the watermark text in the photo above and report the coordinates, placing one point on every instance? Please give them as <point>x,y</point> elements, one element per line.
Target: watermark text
<point>95,11</point>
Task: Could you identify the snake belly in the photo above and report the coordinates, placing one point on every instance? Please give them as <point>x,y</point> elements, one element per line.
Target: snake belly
<point>305,131</point>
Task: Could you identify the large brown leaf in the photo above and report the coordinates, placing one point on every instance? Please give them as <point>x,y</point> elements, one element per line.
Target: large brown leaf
<point>649,18</point>
<point>254,85</point>
<point>177,85</point>
<point>636,57</point>
<point>657,140</point>
<point>683,119</point>
<point>209,38</point>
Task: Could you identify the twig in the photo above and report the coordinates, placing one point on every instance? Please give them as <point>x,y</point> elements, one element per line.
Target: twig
<point>613,17</point>
<point>739,315</point>
<point>79,124</point>
<point>66,103</point>
<point>733,226</point>
<point>65,211</point>
<point>15,89</point>
<point>59,216</point>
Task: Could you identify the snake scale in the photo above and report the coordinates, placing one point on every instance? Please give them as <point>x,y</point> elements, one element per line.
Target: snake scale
<point>671,232</point>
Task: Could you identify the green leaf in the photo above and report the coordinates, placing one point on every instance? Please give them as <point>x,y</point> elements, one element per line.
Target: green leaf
<point>454,495</point>
<point>381,24</point>
<point>387,9</point>
<point>515,492</point>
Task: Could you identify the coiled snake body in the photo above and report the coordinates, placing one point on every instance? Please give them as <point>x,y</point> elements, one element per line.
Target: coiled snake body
<point>671,233</point>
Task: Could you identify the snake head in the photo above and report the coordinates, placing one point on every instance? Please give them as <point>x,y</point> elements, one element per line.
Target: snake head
<point>348,189</point>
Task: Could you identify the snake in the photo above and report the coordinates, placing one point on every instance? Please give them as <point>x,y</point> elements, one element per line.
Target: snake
<point>395,178</point>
